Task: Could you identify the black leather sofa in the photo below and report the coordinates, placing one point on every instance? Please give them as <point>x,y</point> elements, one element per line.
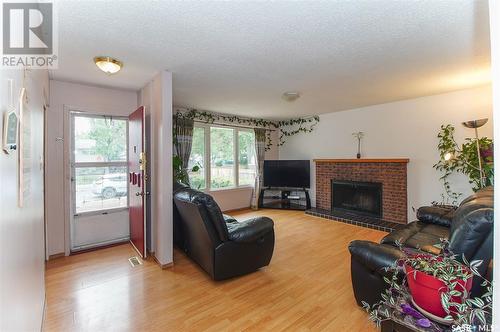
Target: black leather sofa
<point>221,245</point>
<point>468,227</point>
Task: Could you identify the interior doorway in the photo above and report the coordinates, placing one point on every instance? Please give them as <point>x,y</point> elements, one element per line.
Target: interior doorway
<point>99,186</point>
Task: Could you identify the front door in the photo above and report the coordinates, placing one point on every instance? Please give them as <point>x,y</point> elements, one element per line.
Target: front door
<point>137,180</point>
<point>99,189</point>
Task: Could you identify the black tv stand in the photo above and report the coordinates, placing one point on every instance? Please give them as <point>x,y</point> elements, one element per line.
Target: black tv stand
<point>285,198</point>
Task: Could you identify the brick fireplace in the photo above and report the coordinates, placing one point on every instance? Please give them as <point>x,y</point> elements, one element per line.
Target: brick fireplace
<point>391,173</point>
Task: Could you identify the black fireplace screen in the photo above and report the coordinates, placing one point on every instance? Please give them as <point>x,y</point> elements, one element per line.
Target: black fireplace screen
<point>358,197</point>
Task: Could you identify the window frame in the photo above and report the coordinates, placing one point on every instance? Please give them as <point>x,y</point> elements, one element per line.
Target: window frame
<point>208,149</point>
<point>74,164</point>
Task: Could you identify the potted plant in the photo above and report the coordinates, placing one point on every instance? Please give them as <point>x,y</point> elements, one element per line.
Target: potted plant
<point>429,276</point>
<point>182,174</point>
<point>436,285</point>
<point>473,158</point>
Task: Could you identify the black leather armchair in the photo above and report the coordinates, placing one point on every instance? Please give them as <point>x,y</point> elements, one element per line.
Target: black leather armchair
<point>468,228</point>
<point>221,245</point>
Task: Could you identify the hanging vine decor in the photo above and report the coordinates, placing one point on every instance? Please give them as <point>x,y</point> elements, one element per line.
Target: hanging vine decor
<point>296,126</point>
<point>287,128</point>
<point>269,140</point>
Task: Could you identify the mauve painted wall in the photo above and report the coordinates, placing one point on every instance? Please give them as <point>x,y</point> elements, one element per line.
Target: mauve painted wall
<point>156,97</point>
<point>89,98</point>
<point>22,288</point>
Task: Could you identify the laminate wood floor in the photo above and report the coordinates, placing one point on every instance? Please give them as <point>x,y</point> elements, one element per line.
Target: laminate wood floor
<point>307,286</point>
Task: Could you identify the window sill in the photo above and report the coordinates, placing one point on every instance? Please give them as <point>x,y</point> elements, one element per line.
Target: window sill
<point>241,188</point>
<point>101,212</point>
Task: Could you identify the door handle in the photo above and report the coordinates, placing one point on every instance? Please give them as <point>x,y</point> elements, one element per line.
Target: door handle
<point>142,161</point>
<point>139,194</point>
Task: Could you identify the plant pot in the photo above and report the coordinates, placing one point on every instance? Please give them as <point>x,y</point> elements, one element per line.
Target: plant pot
<point>426,290</point>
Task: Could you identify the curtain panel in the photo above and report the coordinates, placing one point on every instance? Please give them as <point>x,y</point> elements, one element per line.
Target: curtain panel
<point>183,138</point>
<point>260,151</point>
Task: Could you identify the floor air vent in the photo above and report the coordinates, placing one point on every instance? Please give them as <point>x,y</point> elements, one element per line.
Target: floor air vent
<point>135,261</point>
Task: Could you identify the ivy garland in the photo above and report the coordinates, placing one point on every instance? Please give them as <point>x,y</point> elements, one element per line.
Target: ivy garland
<point>296,126</point>
<point>287,128</point>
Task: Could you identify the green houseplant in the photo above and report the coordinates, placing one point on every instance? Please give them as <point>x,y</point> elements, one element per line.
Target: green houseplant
<point>463,158</point>
<point>453,294</point>
<point>181,174</point>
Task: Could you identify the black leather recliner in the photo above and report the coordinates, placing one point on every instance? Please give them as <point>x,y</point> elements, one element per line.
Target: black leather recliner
<point>221,245</point>
<point>468,227</point>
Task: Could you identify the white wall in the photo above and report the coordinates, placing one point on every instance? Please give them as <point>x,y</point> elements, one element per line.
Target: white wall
<point>87,98</point>
<point>22,289</point>
<point>495,68</point>
<point>404,129</point>
<point>156,96</point>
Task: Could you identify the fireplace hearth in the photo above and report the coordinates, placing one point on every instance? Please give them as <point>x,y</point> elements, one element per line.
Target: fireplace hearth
<point>363,198</point>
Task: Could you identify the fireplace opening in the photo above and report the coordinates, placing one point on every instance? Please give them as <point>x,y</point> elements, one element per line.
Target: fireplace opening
<point>358,197</point>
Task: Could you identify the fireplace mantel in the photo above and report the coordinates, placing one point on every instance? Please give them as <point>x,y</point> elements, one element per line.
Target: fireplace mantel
<point>393,160</point>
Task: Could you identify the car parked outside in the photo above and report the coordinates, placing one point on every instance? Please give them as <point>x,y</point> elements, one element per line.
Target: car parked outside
<point>110,186</point>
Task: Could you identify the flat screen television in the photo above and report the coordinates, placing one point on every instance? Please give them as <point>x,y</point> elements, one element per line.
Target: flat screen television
<point>287,173</point>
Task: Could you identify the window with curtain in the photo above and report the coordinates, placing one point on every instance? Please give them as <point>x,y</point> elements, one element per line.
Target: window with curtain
<point>226,156</point>
<point>246,158</point>
<point>197,157</point>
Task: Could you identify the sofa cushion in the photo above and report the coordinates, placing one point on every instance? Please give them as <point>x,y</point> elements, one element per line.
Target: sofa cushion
<point>401,235</point>
<point>418,235</point>
<point>437,215</point>
<point>250,230</point>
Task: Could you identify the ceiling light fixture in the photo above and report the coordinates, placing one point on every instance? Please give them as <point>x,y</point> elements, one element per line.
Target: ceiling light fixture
<point>290,96</point>
<point>108,64</point>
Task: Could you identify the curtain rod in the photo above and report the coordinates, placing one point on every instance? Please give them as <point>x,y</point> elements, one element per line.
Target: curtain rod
<point>231,125</point>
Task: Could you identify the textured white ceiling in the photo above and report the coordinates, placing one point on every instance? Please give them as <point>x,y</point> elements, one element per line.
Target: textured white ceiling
<point>239,57</point>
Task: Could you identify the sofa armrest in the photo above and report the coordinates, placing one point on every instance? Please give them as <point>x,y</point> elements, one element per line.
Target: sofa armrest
<point>368,260</point>
<point>374,256</point>
<point>228,218</point>
<point>437,215</point>
<point>250,230</point>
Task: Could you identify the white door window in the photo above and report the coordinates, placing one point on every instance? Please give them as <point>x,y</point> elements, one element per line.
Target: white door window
<point>99,179</point>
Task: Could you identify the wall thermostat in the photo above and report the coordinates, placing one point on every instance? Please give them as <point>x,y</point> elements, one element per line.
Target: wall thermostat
<point>10,129</point>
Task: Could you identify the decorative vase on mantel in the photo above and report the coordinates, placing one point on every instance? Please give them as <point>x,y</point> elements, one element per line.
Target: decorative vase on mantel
<point>359,135</point>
